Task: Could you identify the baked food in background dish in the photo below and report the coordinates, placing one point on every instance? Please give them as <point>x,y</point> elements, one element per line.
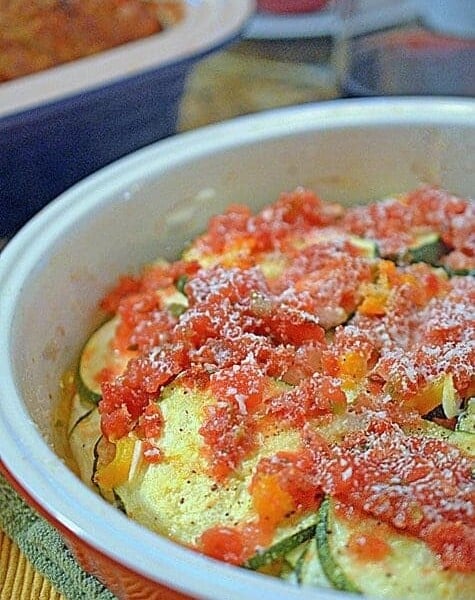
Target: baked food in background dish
<point>39,34</point>
<point>293,394</point>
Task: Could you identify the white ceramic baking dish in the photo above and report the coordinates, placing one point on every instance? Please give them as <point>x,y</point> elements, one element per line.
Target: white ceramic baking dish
<point>151,203</point>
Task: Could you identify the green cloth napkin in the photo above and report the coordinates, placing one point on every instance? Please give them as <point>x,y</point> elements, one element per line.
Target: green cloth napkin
<point>44,547</point>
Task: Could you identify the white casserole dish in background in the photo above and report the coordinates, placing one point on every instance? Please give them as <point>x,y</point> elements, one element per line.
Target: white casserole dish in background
<point>61,124</point>
<point>151,203</point>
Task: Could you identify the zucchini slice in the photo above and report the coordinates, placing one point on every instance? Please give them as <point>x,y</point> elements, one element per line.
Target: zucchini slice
<point>466,421</point>
<point>181,283</point>
<point>428,248</point>
<point>459,438</point>
<point>450,399</point>
<point>324,538</point>
<point>96,356</point>
<point>458,272</point>
<point>282,548</point>
<point>408,570</point>
<point>98,353</point>
<point>178,497</point>
<point>309,570</point>
<point>84,439</point>
<point>368,248</point>
<point>294,557</point>
<point>84,432</point>
<point>80,410</point>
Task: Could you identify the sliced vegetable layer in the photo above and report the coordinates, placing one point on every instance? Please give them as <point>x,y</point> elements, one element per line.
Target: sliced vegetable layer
<point>295,395</point>
<point>362,554</point>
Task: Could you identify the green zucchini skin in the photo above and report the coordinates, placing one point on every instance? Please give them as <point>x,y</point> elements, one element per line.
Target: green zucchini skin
<point>409,570</point>
<point>309,570</point>
<point>181,283</point>
<point>93,358</point>
<point>330,566</point>
<point>85,392</point>
<point>428,248</point>
<point>294,559</point>
<point>369,248</point>
<point>280,549</point>
<point>459,272</point>
<point>97,354</point>
<point>466,421</point>
<point>84,432</point>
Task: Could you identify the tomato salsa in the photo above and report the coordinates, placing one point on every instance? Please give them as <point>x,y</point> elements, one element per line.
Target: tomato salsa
<point>348,329</point>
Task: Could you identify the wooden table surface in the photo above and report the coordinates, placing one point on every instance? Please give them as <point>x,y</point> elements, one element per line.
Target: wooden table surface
<point>249,77</point>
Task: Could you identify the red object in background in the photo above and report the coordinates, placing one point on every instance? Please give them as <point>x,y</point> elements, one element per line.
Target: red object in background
<point>290,6</point>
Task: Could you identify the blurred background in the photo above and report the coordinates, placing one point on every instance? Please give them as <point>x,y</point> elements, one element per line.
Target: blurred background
<point>215,60</point>
<point>296,51</point>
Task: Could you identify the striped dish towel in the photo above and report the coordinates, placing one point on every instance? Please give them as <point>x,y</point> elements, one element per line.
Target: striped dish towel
<point>43,546</point>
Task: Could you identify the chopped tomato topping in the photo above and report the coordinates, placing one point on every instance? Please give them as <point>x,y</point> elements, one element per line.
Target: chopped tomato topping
<point>288,325</point>
<point>400,479</point>
<point>368,547</point>
<point>151,453</point>
<point>229,436</point>
<point>454,543</point>
<point>224,543</point>
<point>126,285</point>
<point>314,397</point>
<point>233,544</point>
<point>150,422</point>
<point>347,351</point>
<point>245,385</point>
